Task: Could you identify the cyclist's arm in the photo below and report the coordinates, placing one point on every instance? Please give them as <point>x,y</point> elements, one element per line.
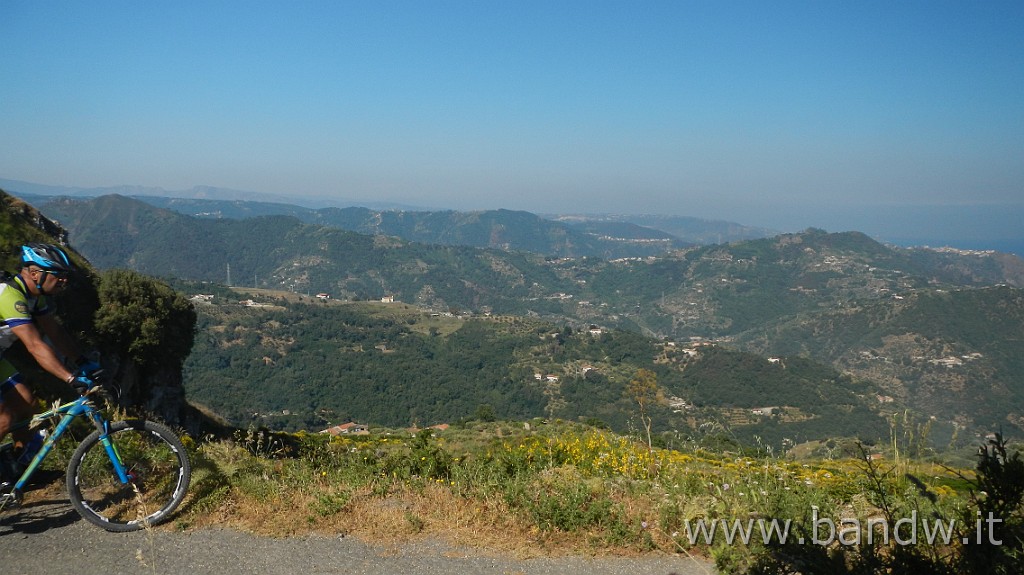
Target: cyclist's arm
<point>44,355</point>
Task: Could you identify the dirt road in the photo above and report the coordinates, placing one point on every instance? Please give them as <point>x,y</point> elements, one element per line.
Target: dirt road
<point>47,536</point>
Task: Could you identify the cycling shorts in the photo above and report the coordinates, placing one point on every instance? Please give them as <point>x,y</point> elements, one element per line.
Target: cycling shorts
<point>9,377</point>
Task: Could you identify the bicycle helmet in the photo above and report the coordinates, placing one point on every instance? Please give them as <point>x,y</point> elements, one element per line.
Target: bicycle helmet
<point>46,256</point>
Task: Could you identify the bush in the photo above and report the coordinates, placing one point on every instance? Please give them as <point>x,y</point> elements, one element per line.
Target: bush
<point>987,536</point>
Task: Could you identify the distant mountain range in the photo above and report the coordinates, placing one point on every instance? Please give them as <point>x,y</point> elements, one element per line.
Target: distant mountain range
<point>997,227</point>
<point>499,229</point>
<point>933,331</point>
<point>23,189</point>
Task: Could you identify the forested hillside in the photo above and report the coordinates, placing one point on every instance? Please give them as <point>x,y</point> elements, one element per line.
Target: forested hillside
<point>293,365</point>
<point>710,291</point>
<point>787,295</point>
<point>957,355</point>
<point>283,253</point>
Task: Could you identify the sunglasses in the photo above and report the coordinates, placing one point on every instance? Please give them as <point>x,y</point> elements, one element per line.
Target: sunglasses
<point>58,275</point>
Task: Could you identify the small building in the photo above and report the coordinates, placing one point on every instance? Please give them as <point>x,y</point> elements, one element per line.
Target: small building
<point>350,428</point>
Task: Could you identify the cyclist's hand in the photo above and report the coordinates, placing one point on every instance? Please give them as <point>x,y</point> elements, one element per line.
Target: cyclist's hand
<point>82,384</point>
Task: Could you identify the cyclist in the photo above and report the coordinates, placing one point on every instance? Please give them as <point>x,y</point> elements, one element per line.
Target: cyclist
<point>26,314</point>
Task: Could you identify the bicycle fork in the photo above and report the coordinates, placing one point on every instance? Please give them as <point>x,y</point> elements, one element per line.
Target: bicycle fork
<point>103,426</point>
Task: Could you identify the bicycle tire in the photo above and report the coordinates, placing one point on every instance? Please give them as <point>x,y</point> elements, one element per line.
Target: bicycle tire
<point>159,472</point>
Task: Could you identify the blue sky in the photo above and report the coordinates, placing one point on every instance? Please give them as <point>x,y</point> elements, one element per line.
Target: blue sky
<point>782,114</point>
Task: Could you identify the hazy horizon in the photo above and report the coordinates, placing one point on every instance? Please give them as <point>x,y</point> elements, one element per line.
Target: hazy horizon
<point>977,227</point>
<point>780,115</point>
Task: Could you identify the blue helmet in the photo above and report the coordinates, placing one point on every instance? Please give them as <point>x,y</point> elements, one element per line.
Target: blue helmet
<point>46,256</point>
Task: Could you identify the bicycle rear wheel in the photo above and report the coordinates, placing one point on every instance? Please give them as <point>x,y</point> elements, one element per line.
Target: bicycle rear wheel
<point>158,469</point>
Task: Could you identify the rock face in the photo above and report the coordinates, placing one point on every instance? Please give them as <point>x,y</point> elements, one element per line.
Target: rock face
<point>18,210</point>
<point>159,393</point>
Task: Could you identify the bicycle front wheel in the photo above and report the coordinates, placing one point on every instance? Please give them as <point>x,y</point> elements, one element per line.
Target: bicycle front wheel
<point>158,476</point>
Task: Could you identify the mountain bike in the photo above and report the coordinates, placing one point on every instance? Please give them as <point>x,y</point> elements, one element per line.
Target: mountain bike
<point>124,476</point>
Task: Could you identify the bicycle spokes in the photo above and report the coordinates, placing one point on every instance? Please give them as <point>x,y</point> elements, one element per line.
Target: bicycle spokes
<point>156,468</point>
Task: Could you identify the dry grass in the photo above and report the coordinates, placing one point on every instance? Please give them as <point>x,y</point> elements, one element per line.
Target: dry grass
<point>402,516</point>
<point>288,497</point>
<point>520,491</point>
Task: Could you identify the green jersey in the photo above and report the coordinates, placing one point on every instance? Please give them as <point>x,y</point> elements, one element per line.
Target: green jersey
<point>17,307</point>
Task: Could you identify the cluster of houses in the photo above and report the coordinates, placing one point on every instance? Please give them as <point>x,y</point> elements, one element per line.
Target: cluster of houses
<point>208,299</point>
<point>353,428</point>
<point>322,296</point>
<point>953,361</point>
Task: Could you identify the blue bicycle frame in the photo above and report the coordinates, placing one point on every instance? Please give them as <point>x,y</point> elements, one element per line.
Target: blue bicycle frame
<point>69,411</point>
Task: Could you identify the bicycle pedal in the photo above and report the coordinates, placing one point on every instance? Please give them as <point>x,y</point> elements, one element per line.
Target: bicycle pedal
<point>9,499</point>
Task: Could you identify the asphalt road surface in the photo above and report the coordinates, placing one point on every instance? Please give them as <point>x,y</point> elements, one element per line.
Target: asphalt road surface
<point>47,536</point>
